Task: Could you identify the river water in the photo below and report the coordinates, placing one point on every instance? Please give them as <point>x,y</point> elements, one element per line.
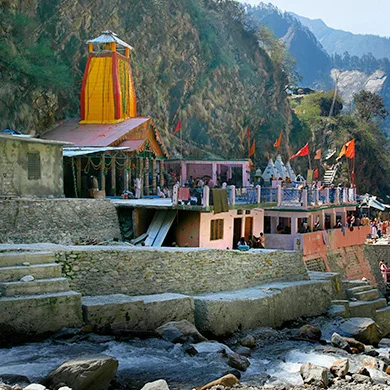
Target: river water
<point>276,359</point>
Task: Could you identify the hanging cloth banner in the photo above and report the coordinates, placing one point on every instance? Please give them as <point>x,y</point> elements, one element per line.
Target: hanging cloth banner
<point>350,152</point>
<point>302,152</point>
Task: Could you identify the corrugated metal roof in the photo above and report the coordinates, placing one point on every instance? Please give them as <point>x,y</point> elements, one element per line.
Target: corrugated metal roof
<point>108,37</point>
<point>95,135</point>
<point>133,144</point>
<point>73,152</point>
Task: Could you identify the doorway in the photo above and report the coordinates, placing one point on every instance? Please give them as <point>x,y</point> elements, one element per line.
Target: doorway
<point>248,228</point>
<point>236,231</point>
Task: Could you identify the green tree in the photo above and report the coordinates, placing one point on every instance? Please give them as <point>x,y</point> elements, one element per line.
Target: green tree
<point>369,105</point>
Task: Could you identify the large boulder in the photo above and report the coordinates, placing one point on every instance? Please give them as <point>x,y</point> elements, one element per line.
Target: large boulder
<point>161,384</point>
<point>226,381</point>
<point>85,373</point>
<point>314,375</point>
<point>340,368</point>
<point>14,379</point>
<point>185,327</point>
<point>339,342</point>
<point>362,329</point>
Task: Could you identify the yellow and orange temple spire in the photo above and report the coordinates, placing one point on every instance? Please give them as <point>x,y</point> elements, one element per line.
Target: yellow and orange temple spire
<point>107,92</point>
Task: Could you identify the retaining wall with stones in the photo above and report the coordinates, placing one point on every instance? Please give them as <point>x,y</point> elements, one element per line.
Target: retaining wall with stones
<point>60,221</point>
<point>143,271</point>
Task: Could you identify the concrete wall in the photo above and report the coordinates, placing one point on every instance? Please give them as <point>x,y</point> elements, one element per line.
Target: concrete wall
<point>57,220</point>
<point>135,271</point>
<point>14,172</point>
<point>228,228</point>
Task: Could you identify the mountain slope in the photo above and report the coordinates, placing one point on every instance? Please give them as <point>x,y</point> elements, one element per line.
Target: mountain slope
<point>193,62</point>
<point>339,41</point>
<point>313,63</point>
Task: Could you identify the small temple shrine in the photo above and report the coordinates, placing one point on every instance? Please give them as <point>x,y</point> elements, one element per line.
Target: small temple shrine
<point>112,148</point>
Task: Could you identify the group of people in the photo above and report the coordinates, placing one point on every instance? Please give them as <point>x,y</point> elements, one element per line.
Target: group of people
<point>378,228</point>
<point>252,242</point>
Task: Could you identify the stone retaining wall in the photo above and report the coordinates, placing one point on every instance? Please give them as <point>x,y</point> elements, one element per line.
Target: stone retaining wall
<point>57,220</point>
<point>374,254</point>
<point>136,271</point>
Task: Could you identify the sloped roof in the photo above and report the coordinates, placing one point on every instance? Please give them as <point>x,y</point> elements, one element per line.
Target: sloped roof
<point>108,37</point>
<point>93,134</point>
<point>135,145</point>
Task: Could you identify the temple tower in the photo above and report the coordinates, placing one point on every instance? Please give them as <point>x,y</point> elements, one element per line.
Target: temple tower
<point>108,93</point>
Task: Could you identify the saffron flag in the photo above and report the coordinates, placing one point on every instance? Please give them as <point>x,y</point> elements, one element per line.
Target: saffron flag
<point>345,148</point>
<point>350,152</point>
<point>278,142</point>
<point>178,127</point>
<point>252,149</point>
<point>302,152</point>
<point>318,154</point>
<point>316,174</point>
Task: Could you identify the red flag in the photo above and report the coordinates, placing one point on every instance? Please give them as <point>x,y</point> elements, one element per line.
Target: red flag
<point>302,152</point>
<point>178,127</point>
<point>278,142</point>
<point>350,152</point>
<point>315,174</point>
<point>252,149</point>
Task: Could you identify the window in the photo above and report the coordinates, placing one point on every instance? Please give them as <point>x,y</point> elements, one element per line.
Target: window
<point>247,212</point>
<point>216,229</point>
<point>34,166</point>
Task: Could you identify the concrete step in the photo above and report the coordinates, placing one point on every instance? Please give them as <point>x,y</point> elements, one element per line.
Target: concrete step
<point>39,271</point>
<point>9,259</point>
<point>354,290</point>
<point>39,286</point>
<point>366,308</point>
<point>337,311</point>
<point>25,317</point>
<point>368,295</point>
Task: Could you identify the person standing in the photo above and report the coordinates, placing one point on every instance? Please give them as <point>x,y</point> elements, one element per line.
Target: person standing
<point>383,268</point>
<point>262,240</point>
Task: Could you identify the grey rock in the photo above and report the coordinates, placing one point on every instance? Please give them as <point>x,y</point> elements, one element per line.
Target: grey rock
<point>363,371</point>
<point>364,330</point>
<point>358,378</point>
<point>185,327</point>
<point>309,332</point>
<point>172,335</point>
<point>244,351</point>
<point>26,264</point>
<point>161,384</point>
<point>248,341</point>
<point>85,373</point>
<point>339,342</point>
<point>35,386</point>
<point>13,379</point>
<point>314,375</point>
<point>237,361</point>
<point>211,347</point>
<point>340,368</point>
<point>27,278</point>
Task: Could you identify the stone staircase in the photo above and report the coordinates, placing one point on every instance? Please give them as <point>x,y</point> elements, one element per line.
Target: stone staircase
<point>362,300</point>
<point>42,303</point>
<point>329,175</point>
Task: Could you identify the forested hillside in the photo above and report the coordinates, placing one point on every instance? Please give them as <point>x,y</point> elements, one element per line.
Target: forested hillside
<point>193,62</point>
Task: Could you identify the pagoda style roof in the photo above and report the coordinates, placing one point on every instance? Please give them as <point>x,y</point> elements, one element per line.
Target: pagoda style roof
<point>109,36</point>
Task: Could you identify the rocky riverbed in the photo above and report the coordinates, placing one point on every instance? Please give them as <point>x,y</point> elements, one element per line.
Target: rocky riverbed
<point>261,359</point>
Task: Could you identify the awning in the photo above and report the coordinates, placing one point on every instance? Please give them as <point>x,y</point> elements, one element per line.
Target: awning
<point>83,151</point>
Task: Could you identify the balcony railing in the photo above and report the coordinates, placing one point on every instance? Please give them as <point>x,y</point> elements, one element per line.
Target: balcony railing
<point>283,196</point>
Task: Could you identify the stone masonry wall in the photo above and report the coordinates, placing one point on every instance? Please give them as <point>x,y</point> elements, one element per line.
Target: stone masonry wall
<point>374,254</point>
<point>60,221</point>
<point>138,271</point>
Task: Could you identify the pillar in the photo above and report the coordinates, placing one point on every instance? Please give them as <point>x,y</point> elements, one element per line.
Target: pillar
<point>154,176</point>
<point>183,171</point>
<point>126,174</point>
<point>113,176</point>
<point>304,199</point>
<point>344,217</point>
<point>78,176</point>
<point>274,224</point>
<point>327,197</point>
<point>244,176</point>
<point>206,196</point>
<point>294,225</point>
<point>141,174</point>
<point>214,172</point>
<point>146,180</point>
<point>162,179</point>
<point>102,172</point>
<point>310,222</point>
<point>175,195</point>
<point>279,194</point>
<point>232,195</point>
<point>317,196</point>
<point>229,173</point>
<point>332,218</point>
<point>322,219</point>
<point>258,194</point>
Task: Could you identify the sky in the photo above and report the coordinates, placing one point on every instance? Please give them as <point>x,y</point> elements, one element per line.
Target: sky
<point>356,16</point>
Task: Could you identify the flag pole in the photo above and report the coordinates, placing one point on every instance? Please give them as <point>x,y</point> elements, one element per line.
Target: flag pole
<point>181,142</point>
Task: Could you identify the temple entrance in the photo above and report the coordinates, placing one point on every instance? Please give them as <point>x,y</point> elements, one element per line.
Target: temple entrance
<point>237,232</point>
